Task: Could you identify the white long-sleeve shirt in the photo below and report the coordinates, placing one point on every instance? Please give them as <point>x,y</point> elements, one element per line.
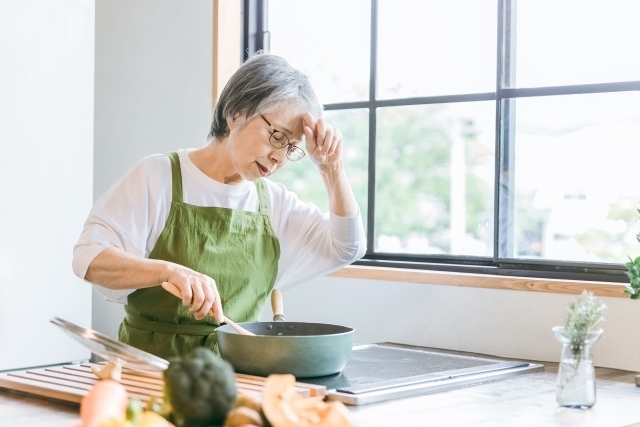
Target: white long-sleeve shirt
<point>132,214</point>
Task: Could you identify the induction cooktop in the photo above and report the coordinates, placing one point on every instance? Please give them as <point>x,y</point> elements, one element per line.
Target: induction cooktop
<point>380,372</point>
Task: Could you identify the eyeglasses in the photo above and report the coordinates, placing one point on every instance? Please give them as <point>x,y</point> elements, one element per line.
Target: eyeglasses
<point>280,140</point>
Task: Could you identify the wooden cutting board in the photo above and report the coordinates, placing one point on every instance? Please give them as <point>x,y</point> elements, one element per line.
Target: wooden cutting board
<point>72,382</point>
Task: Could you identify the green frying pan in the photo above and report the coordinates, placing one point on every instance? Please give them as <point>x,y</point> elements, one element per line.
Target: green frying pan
<point>279,347</point>
<point>263,348</point>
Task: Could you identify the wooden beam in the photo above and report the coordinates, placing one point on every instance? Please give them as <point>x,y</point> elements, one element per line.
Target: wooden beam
<point>481,281</point>
<point>227,35</point>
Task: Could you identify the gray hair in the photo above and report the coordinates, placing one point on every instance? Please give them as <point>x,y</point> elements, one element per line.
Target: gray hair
<point>264,83</point>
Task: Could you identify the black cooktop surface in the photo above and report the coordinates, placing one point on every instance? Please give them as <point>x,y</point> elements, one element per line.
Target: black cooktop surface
<point>379,366</point>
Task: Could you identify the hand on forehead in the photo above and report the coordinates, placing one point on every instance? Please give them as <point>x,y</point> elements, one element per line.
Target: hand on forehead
<point>308,120</point>
<point>290,122</point>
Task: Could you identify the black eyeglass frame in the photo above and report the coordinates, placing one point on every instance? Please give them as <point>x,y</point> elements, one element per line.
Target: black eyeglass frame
<point>298,153</point>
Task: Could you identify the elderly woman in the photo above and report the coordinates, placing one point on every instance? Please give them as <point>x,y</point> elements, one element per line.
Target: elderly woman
<point>209,221</point>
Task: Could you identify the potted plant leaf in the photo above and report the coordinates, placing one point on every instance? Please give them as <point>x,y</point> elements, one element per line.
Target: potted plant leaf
<point>575,385</point>
<point>633,288</point>
<point>633,272</point>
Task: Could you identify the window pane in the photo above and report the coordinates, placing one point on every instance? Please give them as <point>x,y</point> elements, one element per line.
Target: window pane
<point>434,179</point>
<point>441,47</point>
<point>328,40</point>
<point>576,42</point>
<point>303,178</point>
<point>575,178</point>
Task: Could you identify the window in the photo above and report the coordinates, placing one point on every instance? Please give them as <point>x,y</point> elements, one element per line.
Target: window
<point>491,136</point>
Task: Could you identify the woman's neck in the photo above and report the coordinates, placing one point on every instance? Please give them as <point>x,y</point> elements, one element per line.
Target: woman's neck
<point>214,161</point>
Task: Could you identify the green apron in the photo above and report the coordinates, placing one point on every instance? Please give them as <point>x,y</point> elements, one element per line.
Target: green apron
<point>238,249</point>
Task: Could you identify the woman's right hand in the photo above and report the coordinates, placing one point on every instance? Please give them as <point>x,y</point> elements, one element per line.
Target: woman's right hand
<point>116,269</point>
<point>199,292</point>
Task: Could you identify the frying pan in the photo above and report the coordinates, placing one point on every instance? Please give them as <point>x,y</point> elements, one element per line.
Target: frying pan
<point>280,347</point>
<point>301,349</point>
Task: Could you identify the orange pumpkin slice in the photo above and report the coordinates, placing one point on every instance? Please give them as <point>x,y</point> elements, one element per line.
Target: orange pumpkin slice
<point>285,407</point>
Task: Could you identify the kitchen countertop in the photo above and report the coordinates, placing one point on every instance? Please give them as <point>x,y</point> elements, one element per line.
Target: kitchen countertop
<point>527,400</point>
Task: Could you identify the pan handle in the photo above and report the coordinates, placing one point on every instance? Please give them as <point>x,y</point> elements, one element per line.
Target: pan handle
<point>277,306</point>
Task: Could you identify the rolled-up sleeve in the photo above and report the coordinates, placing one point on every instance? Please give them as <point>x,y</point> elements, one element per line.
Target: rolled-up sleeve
<point>94,239</point>
<point>122,218</point>
<point>312,243</point>
<point>349,237</point>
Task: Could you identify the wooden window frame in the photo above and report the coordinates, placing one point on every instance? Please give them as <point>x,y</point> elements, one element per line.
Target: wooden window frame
<point>432,277</point>
<point>227,43</point>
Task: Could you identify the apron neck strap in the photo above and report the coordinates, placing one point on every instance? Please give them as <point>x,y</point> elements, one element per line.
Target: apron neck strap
<point>261,197</point>
<point>176,183</point>
<point>176,177</point>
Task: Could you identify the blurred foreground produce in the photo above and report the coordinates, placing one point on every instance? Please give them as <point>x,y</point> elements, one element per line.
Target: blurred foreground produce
<point>144,419</point>
<point>285,407</point>
<point>134,416</point>
<point>248,402</point>
<point>199,389</point>
<point>243,416</point>
<point>106,399</point>
<point>246,412</point>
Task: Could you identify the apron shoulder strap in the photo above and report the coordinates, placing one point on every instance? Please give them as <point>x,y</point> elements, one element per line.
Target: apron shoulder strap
<point>262,199</point>
<point>176,177</point>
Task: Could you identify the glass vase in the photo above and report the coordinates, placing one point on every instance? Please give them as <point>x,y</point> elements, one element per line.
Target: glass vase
<point>576,382</point>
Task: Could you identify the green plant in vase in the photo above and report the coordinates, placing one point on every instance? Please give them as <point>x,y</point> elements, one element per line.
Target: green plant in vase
<point>575,386</point>
<point>633,288</point>
<point>633,272</point>
<point>584,315</point>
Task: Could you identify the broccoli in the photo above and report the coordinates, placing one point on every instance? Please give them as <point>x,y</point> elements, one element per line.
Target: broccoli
<point>199,389</point>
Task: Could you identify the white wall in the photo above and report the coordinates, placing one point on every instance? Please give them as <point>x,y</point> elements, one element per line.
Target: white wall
<point>153,85</point>
<point>46,151</point>
<point>498,322</point>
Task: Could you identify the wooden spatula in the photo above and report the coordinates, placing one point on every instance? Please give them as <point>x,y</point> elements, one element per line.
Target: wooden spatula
<point>173,289</point>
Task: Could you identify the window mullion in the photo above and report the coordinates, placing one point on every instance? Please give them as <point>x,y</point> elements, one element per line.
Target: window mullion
<point>373,71</point>
<point>254,35</point>
<point>504,239</point>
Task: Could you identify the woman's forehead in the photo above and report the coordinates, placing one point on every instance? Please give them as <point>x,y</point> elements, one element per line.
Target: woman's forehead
<point>287,121</point>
